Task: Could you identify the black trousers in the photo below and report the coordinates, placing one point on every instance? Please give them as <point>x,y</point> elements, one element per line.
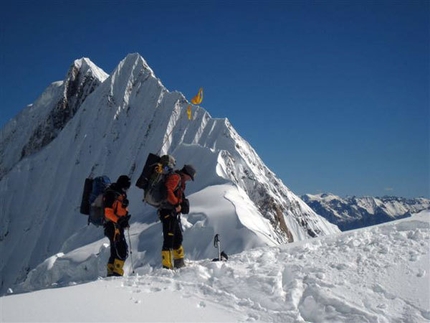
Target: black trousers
<point>172,233</point>
<point>118,243</point>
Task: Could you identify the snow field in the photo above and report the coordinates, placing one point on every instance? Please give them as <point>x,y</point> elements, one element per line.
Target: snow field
<point>378,274</point>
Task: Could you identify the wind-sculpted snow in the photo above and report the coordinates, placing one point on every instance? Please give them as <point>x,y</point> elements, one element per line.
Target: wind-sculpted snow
<point>378,274</point>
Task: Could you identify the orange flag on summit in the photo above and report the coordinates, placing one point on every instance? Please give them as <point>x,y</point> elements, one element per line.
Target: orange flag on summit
<point>196,100</point>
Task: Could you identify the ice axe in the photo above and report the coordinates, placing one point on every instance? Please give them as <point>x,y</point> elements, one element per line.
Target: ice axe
<point>222,256</point>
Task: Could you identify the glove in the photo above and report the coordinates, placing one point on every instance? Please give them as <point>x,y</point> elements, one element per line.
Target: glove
<point>185,206</point>
<point>123,221</point>
<point>116,234</point>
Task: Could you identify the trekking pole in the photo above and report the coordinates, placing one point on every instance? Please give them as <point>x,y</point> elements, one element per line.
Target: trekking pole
<point>217,245</point>
<point>222,256</point>
<point>219,248</point>
<point>131,252</point>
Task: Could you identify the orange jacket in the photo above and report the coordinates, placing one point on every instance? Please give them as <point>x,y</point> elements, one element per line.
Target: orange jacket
<point>175,189</point>
<point>114,207</point>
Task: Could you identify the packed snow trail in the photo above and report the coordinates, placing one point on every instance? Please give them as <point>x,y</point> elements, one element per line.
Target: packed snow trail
<point>355,277</point>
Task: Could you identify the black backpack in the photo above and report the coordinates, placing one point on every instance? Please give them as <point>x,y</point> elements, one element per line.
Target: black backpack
<point>92,199</point>
<point>153,177</point>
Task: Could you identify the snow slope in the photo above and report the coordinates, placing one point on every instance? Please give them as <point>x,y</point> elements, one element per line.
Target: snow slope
<point>378,274</point>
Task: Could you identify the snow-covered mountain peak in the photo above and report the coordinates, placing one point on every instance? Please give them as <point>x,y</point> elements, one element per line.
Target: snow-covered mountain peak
<point>41,122</point>
<point>94,124</point>
<point>85,66</point>
<point>131,70</point>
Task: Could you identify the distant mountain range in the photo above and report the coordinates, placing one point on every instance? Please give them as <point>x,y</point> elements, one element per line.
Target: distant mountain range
<point>357,212</point>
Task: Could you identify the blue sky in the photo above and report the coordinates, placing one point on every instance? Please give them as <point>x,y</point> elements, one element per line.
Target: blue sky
<point>333,95</point>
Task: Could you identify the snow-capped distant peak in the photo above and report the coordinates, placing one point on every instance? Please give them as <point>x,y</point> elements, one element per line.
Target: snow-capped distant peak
<point>356,212</point>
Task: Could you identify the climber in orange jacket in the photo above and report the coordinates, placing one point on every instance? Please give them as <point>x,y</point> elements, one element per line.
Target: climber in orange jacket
<point>116,216</point>
<point>172,253</point>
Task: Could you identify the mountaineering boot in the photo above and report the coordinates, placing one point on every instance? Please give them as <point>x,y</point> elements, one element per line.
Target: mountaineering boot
<point>118,265</point>
<point>110,269</point>
<point>166,259</point>
<point>178,256</point>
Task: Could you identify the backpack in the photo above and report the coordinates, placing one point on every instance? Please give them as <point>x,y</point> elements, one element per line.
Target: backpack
<point>92,199</point>
<point>153,178</point>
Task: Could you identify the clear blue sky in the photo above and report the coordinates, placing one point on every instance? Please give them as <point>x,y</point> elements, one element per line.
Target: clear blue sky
<point>333,95</point>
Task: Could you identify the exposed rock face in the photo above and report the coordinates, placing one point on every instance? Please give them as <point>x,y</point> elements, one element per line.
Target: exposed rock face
<point>80,82</point>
